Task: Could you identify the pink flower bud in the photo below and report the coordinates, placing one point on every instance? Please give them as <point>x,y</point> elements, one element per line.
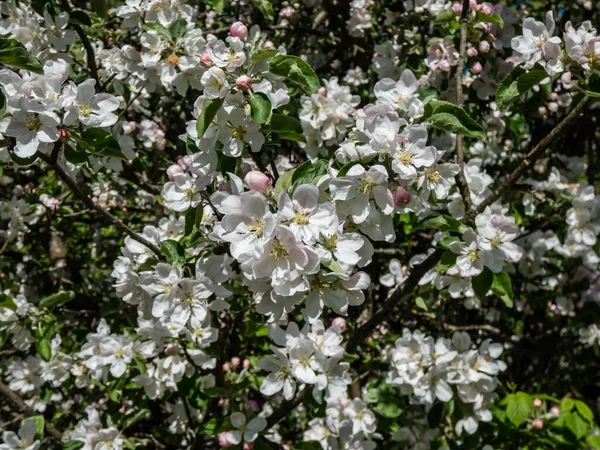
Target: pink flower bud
<point>555,411</point>
<point>487,9</point>
<point>268,45</point>
<point>472,4</point>
<point>223,439</point>
<point>248,445</point>
<point>185,162</point>
<point>238,30</point>
<point>444,66</point>
<point>251,404</point>
<point>478,8</point>
<point>401,197</point>
<point>226,367</point>
<point>64,133</point>
<point>322,91</point>
<point>553,96</point>
<point>243,83</point>
<point>171,349</point>
<point>537,403</point>
<point>553,106</point>
<point>566,78</point>
<point>472,52</point>
<point>542,110</point>
<point>538,423</point>
<point>340,323</point>
<point>174,170</point>
<point>235,361</point>
<point>484,46</point>
<point>258,181</point>
<point>477,68</point>
<point>246,363</point>
<point>457,8</point>
<point>205,59</point>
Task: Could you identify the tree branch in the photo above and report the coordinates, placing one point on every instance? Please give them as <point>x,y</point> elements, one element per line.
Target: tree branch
<point>18,402</point>
<point>533,156</point>
<point>91,205</point>
<point>461,180</point>
<point>89,50</point>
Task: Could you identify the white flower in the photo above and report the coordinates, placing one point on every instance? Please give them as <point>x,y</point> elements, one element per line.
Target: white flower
<point>229,58</point>
<point>25,439</point>
<point>240,130</point>
<point>401,94</point>
<point>215,84</point>
<point>538,46</point>
<point>93,110</point>
<point>248,432</point>
<point>32,126</point>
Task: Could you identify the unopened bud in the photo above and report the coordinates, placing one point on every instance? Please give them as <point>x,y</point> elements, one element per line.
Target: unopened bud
<point>235,361</point>
<point>472,52</point>
<point>477,68</point>
<point>542,110</point>
<point>246,363</point>
<point>243,82</point>
<point>401,197</point>
<point>538,423</point>
<point>555,411</point>
<point>487,9</point>
<point>268,45</point>
<point>457,8</point>
<point>340,323</point>
<point>258,181</point>
<point>566,78</point>
<point>223,442</point>
<point>472,4</point>
<point>484,46</point>
<point>205,59</point>
<point>64,133</point>
<point>553,106</point>
<point>537,403</point>
<point>238,30</point>
<point>251,404</point>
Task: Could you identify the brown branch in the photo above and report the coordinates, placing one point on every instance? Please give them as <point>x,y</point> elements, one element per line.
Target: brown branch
<point>91,205</point>
<point>461,180</point>
<point>89,50</point>
<point>535,154</point>
<point>18,402</point>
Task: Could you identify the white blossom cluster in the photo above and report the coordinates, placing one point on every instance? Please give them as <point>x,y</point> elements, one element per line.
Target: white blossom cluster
<point>443,369</point>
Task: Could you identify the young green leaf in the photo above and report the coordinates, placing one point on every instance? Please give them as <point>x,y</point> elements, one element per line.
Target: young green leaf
<point>59,298</point>
<point>14,54</point>
<point>502,287</point>
<point>210,108</point>
<point>261,107</point>
<point>295,69</point>
<point>173,251</point>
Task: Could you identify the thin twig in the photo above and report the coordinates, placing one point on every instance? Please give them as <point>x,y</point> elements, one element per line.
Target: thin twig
<point>89,50</point>
<point>90,204</point>
<point>18,402</point>
<point>461,180</point>
<point>533,156</point>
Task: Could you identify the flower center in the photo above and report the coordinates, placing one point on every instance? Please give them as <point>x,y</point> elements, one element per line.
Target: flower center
<point>365,185</point>
<point>33,122</point>
<point>473,255</point>
<point>119,353</point>
<point>257,227</point>
<point>433,175</point>
<point>173,59</point>
<point>238,132</point>
<point>279,251</point>
<point>85,109</point>
<point>301,218</point>
<point>331,242</point>
<point>405,157</point>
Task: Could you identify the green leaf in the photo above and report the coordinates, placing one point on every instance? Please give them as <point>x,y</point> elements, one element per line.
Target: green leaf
<point>518,408</point>
<point>39,424</point>
<point>2,104</point>
<point>173,251</point>
<point>57,299</point>
<point>284,183</point>
<point>567,405</point>
<point>593,441</point>
<point>585,411</point>
<point>75,155</point>
<point>44,348</point>
<point>261,107</point>
<point>177,28</point>
<point>73,445</point>
<point>212,426</point>
<point>333,266</point>
<point>210,108</point>
<point>447,241</point>
<point>295,69</point>
<point>80,17</point>
<point>100,143</point>
<point>443,223</point>
<point>502,287</point>
<point>7,302</point>
<point>438,112</point>
<point>14,54</point>
<point>143,413</point>
<point>577,425</point>
<point>490,18</point>
<point>162,32</point>
<point>448,15</point>
<point>265,7</point>
<point>517,83</point>
<point>420,302</point>
<point>390,410</point>
<point>483,282</point>
<point>287,127</point>
<point>309,172</point>
<point>263,54</point>
<point>101,8</point>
